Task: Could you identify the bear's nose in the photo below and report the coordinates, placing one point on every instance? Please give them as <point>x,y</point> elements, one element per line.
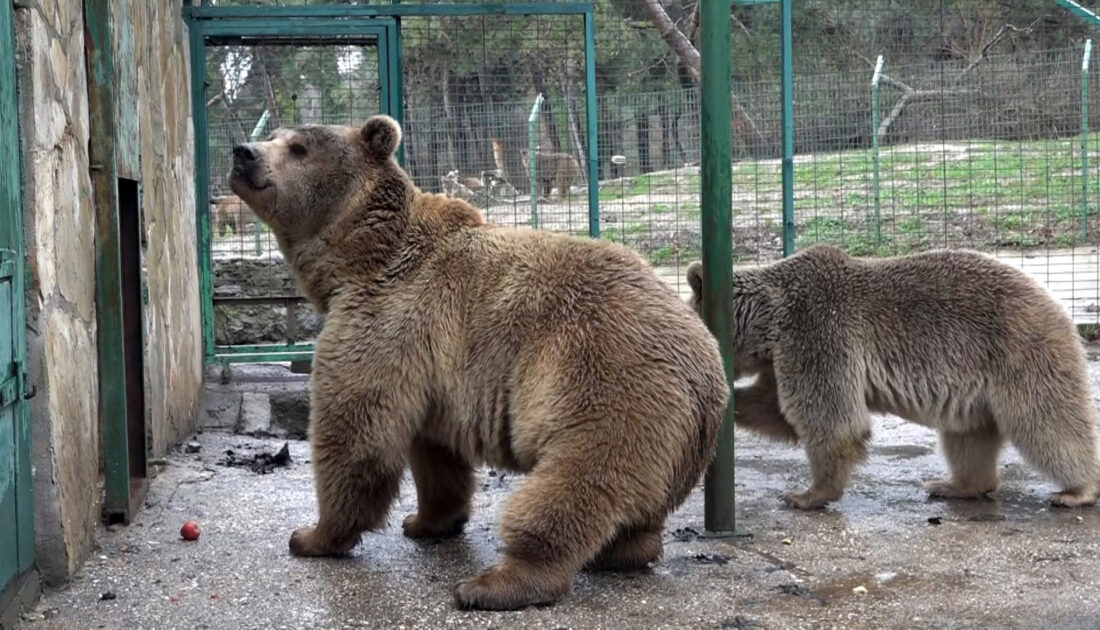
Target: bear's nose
<point>243,154</point>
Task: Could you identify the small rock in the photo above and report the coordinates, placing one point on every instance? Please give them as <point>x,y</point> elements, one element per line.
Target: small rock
<point>860,590</point>
<point>986,518</point>
<point>885,577</point>
<point>711,558</point>
<point>192,447</point>
<point>935,520</point>
<point>686,534</point>
<point>793,589</point>
<point>788,541</point>
<point>107,596</point>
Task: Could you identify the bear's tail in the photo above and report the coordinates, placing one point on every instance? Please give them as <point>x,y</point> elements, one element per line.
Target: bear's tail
<point>382,134</point>
<point>695,278</point>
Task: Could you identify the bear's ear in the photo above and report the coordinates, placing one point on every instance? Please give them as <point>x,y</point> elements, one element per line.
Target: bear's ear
<point>695,277</point>
<point>381,134</point>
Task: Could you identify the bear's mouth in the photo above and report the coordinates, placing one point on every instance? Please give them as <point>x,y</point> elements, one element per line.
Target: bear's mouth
<point>248,178</point>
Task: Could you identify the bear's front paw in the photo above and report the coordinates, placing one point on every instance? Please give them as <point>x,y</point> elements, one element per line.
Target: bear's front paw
<point>808,500</point>
<point>307,542</point>
<point>415,526</point>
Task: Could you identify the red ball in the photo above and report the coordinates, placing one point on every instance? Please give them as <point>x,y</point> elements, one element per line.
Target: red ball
<point>190,530</point>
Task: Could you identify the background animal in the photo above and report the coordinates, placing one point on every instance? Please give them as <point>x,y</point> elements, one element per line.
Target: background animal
<point>558,170</point>
<point>230,213</point>
<point>953,340</point>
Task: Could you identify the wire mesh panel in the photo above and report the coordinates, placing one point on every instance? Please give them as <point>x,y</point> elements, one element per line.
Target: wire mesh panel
<point>471,84</point>
<point>973,135</point>
<point>253,89</point>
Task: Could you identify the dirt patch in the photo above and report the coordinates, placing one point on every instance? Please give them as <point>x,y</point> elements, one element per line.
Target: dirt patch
<point>260,463</point>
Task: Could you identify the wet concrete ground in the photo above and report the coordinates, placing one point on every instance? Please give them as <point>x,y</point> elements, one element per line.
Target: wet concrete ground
<point>1011,562</point>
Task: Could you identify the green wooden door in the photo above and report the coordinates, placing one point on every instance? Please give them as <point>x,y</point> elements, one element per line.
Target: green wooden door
<point>16,511</point>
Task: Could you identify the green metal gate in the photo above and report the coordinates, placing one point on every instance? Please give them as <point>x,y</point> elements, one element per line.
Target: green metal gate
<point>16,510</point>
<point>339,64</point>
<point>243,276</point>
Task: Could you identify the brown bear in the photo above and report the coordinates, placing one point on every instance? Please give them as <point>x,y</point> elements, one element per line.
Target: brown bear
<point>449,343</point>
<point>229,212</point>
<point>954,340</point>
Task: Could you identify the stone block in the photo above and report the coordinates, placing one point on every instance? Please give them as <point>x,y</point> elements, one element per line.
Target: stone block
<point>255,414</point>
<point>221,409</point>
<point>290,412</point>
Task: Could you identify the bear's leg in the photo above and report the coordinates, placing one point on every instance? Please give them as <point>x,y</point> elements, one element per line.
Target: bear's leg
<point>831,462</point>
<point>631,549</point>
<point>825,402</point>
<point>756,408</point>
<point>1059,439</point>
<point>357,474</point>
<point>972,457</point>
<point>559,519</point>
<point>444,485</point>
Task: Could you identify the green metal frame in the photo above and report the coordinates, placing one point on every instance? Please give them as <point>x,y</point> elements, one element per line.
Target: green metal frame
<point>223,22</point>
<point>102,156</point>
<point>11,231</point>
<point>1079,11</point>
<point>717,201</point>
<point>256,26</point>
<point>592,115</point>
<point>787,95</point>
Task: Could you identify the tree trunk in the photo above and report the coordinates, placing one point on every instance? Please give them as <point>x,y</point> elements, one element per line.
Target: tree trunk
<point>465,158</point>
<point>677,41</point>
<point>538,78</point>
<point>641,118</point>
<point>451,124</point>
<point>664,111</point>
<point>579,148</point>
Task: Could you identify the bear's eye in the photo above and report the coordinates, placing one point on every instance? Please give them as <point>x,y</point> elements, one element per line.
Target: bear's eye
<point>298,149</point>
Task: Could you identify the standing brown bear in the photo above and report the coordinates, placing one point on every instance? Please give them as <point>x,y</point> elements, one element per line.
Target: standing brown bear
<point>449,342</point>
<point>954,340</point>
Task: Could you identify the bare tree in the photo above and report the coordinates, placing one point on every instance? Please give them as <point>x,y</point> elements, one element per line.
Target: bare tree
<point>970,49</point>
<point>677,41</point>
<point>689,57</point>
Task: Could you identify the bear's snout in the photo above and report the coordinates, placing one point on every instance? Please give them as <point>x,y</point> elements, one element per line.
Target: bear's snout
<point>245,155</point>
<point>246,166</point>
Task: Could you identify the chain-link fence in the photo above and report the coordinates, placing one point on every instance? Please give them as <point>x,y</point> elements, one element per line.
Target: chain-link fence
<point>250,91</point>
<point>974,137</point>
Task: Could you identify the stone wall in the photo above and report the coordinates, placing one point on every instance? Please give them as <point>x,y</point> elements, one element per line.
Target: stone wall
<point>252,277</point>
<point>151,40</point>
<point>172,317</point>
<point>59,223</point>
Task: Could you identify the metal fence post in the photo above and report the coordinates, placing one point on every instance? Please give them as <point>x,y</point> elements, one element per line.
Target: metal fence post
<point>532,158</point>
<point>874,150</point>
<point>1085,140</point>
<point>592,117</point>
<point>787,95</point>
<point>717,198</point>
<point>257,227</point>
<point>108,261</point>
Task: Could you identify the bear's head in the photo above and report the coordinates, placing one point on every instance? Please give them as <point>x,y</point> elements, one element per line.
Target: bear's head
<point>301,177</point>
<point>695,281</point>
<point>752,314</point>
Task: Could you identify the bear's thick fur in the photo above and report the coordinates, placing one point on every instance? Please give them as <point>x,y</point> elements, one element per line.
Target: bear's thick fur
<point>449,342</point>
<point>954,340</point>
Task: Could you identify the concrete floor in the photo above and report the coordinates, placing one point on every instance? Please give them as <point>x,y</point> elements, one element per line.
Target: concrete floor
<point>1011,562</point>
